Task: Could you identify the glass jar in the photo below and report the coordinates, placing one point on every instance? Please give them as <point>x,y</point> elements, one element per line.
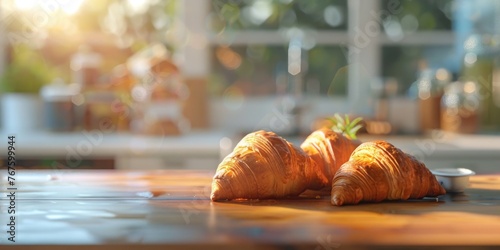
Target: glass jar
<point>85,66</point>
<point>460,107</point>
<point>482,65</point>
<point>59,111</point>
<point>428,90</point>
<point>160,94</point>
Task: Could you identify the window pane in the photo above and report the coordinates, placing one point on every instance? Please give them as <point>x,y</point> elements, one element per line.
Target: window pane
<point>404,63</point>
<point>267,14</point>
<point>263,70</point>
<point>409,16</point>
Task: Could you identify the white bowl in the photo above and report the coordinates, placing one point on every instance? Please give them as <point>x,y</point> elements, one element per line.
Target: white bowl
<point>454,180</point>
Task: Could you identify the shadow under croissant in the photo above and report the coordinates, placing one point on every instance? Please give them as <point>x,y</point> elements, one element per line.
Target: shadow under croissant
<point>451,202</point>
<point>322,202</point>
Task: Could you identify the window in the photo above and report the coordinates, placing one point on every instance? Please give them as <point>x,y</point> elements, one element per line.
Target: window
<point>429,25</point>
<point>254,40</point>
<point>328,51</point>
<point>366,41</point>
<point>258,70</point>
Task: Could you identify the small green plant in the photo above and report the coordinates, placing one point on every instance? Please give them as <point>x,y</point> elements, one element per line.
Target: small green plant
<point>345,125</point>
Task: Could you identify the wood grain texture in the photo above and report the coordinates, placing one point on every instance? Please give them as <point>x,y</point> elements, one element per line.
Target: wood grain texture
<point>172,208</point>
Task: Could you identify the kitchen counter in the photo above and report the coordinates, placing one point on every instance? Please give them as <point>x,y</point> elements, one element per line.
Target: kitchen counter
<point>203,149</point>
<point>127,150</point>
<point>171,208</point>
<point>98,143</point>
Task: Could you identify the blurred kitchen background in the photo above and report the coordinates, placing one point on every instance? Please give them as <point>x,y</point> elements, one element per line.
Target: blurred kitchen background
<point>175,84</point>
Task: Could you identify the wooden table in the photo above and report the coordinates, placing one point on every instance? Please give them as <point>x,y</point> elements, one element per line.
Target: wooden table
<point>107,209</point>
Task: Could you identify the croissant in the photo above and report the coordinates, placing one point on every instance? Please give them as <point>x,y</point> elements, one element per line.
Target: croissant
<point>378,171</point>
<point>329,150</point>
<point>264,165</point>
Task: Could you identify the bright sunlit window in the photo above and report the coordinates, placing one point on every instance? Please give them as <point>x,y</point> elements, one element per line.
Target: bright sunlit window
<point>68,7</point>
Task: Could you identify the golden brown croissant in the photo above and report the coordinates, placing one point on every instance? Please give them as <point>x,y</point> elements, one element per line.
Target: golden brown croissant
<point>264,165</point>
<point>379,171</point>
<point>329,150</point>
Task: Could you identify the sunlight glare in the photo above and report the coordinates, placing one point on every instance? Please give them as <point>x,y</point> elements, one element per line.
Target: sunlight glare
<point>70,7</point>
<point>137,6</point>
<point>25,4</point>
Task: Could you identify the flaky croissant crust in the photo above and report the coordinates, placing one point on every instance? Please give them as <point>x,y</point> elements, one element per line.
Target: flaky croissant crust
<point>264,165</point>
<point>378,171</point>
<point>329,150</point>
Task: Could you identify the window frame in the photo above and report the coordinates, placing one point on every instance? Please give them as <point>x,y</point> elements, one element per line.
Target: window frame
<point>360,15</point>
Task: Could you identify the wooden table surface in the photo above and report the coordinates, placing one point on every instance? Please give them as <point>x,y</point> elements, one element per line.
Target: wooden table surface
<point>171,208</point>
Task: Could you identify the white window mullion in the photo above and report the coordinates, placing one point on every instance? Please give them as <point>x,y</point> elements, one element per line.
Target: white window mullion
<point>195,54</point>
<point>364,54</point>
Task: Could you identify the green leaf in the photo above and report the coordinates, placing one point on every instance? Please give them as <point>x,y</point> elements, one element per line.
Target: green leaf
<point>355,130</point>
<point>338,118</point>
<point>345,125</point>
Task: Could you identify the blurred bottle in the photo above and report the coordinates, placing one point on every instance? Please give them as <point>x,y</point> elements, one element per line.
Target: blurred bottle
<point>58,107</point>
<point>85,65</point>
<point>481,64</point>
<point>160,94</point>
<point>429,89</point>
<point>460,107</point>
